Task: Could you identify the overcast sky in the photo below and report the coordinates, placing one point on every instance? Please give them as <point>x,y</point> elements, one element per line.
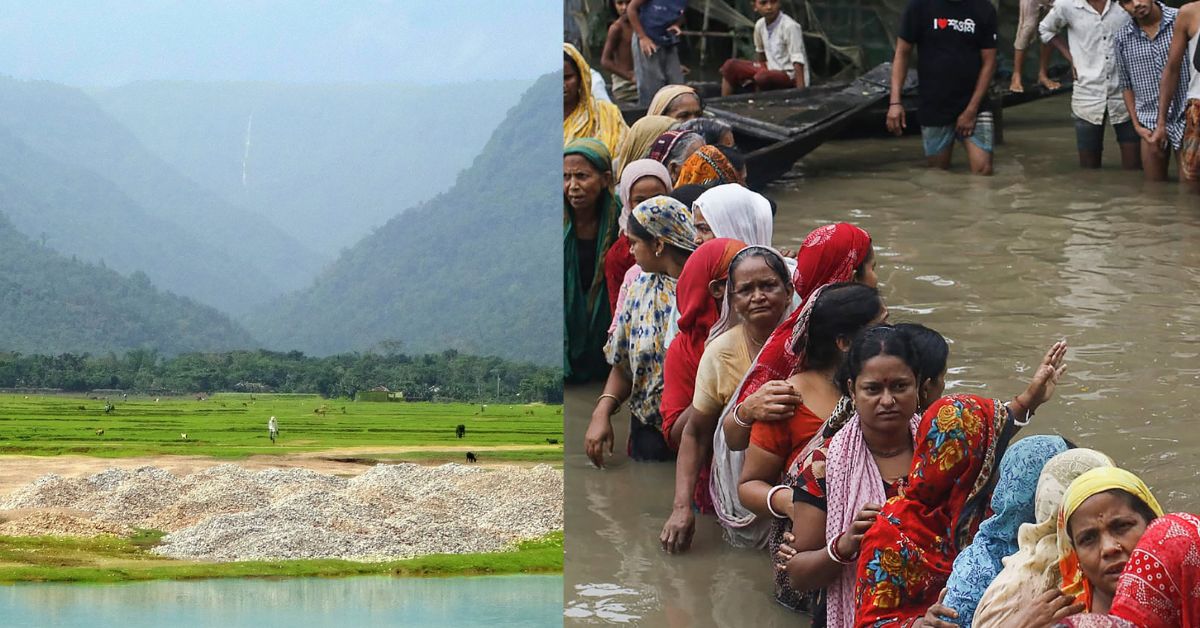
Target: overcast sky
<point>112,42</point>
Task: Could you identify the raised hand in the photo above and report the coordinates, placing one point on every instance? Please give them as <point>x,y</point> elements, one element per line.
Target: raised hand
<point>1045,379</point>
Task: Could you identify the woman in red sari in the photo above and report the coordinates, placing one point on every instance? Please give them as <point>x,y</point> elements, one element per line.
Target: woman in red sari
<point>698,295</point>
<point>905,558</point>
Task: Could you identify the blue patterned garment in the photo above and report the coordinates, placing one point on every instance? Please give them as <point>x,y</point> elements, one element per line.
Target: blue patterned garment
<point>1012,505</point>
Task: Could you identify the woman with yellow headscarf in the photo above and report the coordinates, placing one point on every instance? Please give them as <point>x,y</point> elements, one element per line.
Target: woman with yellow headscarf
<point>1104,514</point>
<point>584,116</point>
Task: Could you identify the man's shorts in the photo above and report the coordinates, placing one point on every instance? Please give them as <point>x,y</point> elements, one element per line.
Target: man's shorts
<point>1089,138</point>
<point>938,138</point>
<point>1189,149</point>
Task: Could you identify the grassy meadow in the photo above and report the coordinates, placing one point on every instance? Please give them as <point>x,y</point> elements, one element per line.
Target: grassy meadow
<point>233,426</point>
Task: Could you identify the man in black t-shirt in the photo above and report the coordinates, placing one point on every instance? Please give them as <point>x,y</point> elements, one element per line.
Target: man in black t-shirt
<point>957,44</point>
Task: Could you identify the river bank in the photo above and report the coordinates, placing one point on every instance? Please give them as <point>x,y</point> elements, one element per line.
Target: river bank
<point>228,520</point>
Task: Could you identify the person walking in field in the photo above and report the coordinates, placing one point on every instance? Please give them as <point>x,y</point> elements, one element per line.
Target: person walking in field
<point>273,429</point>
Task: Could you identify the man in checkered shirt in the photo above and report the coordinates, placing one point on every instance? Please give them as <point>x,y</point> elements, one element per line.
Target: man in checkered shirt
<point>1141,54</point>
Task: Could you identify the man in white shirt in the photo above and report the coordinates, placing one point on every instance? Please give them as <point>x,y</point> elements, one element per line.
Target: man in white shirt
<point>1092,27</point>
<point>781,60</point>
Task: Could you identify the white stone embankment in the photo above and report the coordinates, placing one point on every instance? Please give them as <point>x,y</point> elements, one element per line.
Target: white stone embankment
<point>226,512</point>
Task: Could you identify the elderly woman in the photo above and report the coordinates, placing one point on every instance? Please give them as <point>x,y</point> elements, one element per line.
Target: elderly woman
<point>829,254</point>
<point>589,229</point>
<point>756,297</point>
<point>583,115</point>
<point>661,238</point>
<point>1101,506</point>
<point>677,101</point>
<point>733,211</point>
<point>1160,587</point>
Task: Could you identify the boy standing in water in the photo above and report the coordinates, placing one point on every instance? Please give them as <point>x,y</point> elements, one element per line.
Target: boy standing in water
<point>780,58</point>
<point>655,45</point>
<point>1141,52</point>
<point>618,54</point>
<point>957,42</point>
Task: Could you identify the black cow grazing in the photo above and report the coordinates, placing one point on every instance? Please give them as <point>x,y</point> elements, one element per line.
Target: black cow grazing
<point>552,441</point>
<point>471,457</point>
<point>460,431</point>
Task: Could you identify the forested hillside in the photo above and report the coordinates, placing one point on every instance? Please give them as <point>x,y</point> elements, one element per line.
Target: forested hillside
<point>476,269</point>
<point>54,304</point>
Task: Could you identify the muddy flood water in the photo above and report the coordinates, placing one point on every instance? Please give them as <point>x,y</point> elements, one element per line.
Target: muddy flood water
<point>1002,266</point>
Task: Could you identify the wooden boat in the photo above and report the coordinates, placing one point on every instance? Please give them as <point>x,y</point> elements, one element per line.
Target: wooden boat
<point>775,129</point>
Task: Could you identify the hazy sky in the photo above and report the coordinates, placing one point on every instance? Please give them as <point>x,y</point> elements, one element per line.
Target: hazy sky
<point>111,42</point>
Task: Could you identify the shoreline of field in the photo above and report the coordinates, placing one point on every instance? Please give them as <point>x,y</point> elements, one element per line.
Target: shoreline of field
<point>116,561</point>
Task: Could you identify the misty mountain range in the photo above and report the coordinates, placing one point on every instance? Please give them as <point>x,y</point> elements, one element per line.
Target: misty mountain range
<point>293,212</point>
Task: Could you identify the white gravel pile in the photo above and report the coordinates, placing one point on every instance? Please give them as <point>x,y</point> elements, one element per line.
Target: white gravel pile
<point>390,511</point>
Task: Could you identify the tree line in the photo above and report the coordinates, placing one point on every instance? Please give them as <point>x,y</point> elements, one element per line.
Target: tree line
<point>447,376</point>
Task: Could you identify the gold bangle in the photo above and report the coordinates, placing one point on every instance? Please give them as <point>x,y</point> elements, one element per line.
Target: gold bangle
<point>614,398</point>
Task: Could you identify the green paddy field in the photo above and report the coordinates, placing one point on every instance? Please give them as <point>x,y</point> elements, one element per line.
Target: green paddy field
<point>233,426</point>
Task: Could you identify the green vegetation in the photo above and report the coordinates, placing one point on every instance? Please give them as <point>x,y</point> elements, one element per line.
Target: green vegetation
<point>445,377</point>
<point>476,269</point>
<point>112,559</point>
<point>234,426</point>
<point>51,303</point>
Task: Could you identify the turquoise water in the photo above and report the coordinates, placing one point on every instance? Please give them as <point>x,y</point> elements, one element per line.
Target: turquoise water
<point>495,602</point>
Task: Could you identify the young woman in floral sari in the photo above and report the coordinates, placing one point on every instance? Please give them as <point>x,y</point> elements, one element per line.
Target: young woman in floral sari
<point>662,239</point>
<point>905,555</point>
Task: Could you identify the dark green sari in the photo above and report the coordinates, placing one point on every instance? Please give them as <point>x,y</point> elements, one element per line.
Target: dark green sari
<point>587,315</point>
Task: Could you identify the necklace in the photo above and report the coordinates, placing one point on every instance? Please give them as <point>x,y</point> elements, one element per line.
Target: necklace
<point>888,454</point>
<point>753,343</point>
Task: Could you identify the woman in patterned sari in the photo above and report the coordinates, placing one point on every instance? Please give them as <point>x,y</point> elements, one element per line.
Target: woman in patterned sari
<point>905,556</point>
<point>589,229</point>
<point>661,238</point>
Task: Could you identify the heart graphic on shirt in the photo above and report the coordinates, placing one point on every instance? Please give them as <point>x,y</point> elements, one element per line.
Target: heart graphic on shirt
<point>942,22</point>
